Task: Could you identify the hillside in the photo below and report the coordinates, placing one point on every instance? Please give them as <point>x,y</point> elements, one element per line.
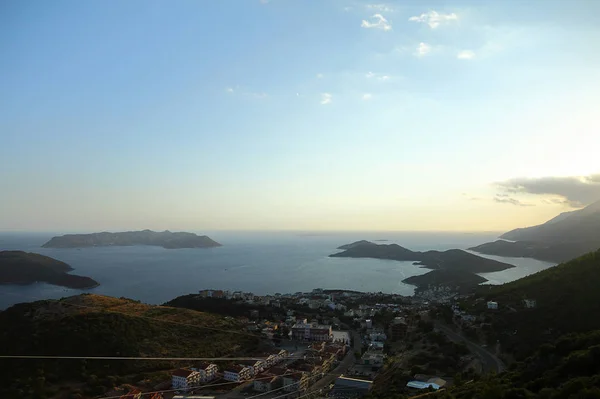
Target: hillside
<point>94,325</point>
<point>574,226</point>
<point>18,267</point>
<point>165,239</point>
<point>566,298</point>
<point>566,368</point>
<point>564,237</point>
<point>454,259</point>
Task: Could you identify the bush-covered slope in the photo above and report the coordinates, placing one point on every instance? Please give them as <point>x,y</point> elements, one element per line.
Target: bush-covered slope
<point>567,300</point>
<point>93,325</point>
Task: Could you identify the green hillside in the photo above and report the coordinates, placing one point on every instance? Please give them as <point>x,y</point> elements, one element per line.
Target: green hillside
<point>567,300</point>
<point>94,325</point>
<point>567,368</point>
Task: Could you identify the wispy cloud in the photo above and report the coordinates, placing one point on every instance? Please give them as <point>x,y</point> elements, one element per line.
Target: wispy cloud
<point>577,191</point>
<point>434,19</point>
<point>377,76</point>
<point>377,21</point>
<point>229,90</point>
<point>380,7</point>
<point>319,76</point>
<point>326,98</point>
<point>367,96</point>
<point>511,201</point>
<point>422,49</point>
<point>465,55</point>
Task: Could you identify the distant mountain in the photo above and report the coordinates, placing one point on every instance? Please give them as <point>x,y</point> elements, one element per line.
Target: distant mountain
<point>18,267</point>
<point>556,253</point>
<point>564,237</point>
<point>576,226</point>
<point>452,268</point>
<point>164,239</point>
<point>95,325</point>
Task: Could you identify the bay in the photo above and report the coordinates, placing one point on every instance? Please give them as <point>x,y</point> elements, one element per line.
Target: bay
<point>258,262</point>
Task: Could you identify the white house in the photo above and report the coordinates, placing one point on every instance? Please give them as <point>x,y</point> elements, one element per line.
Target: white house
<point>184,379</point>
<point>208,371</point>
<point>530,303</point>
<point>237,373</point>
<point>492,305</point>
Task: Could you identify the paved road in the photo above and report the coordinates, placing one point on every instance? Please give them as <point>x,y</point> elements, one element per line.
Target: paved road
<point>489,360</point>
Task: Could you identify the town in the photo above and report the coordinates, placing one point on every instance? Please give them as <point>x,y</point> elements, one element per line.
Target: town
<point>330,343</point>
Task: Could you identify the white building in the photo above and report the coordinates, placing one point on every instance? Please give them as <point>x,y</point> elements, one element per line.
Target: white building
<point>237,373</point>
<point>492,305</point>
<point>184,379</point>
<point>530,303</point>
<point>311,332</point>
<point>208,371</point>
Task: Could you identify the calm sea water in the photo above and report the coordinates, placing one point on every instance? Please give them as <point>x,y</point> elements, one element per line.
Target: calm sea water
<point>259,262</point>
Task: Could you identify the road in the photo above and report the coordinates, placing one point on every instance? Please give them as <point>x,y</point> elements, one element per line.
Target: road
<point>341,368</point>
<point>489,360</point>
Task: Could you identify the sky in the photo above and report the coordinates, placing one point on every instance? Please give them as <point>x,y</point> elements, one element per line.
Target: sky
<point>297,115</point>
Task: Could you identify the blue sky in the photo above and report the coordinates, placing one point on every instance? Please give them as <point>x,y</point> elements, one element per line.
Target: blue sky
<point>407,115</point>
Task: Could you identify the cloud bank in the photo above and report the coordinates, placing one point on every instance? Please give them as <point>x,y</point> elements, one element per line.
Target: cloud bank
<point>576,191</point>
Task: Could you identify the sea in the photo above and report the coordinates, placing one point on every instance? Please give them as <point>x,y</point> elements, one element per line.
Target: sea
<point>258,262</point>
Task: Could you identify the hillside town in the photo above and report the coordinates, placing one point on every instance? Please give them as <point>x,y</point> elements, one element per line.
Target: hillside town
<point>330,343</point>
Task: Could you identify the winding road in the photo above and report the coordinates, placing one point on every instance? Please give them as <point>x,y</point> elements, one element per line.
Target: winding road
<point>490,361</point>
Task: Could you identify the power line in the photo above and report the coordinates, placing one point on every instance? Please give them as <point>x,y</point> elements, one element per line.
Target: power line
<point>215,359</point>
<point>229,383</point>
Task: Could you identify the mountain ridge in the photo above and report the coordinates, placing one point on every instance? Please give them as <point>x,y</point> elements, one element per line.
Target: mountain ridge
<point>564,237</point>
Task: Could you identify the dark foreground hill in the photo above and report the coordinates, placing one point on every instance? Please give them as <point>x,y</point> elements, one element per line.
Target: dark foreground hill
<point>94,325</point>
<point>165,239</point>
<point>567,298</point>
<point>566,368</point>
<point>18,267</point>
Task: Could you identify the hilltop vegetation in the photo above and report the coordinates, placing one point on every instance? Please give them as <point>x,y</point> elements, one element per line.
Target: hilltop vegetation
<point>18,267</point>
<point>93,325</point>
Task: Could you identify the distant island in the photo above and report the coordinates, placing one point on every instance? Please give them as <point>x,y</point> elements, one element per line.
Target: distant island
<point>354,244</point>
<point>453,268</point>
<point>18,267</point>
<point>568,235</point>
<point>455,259</point>
<point>165,239</point>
